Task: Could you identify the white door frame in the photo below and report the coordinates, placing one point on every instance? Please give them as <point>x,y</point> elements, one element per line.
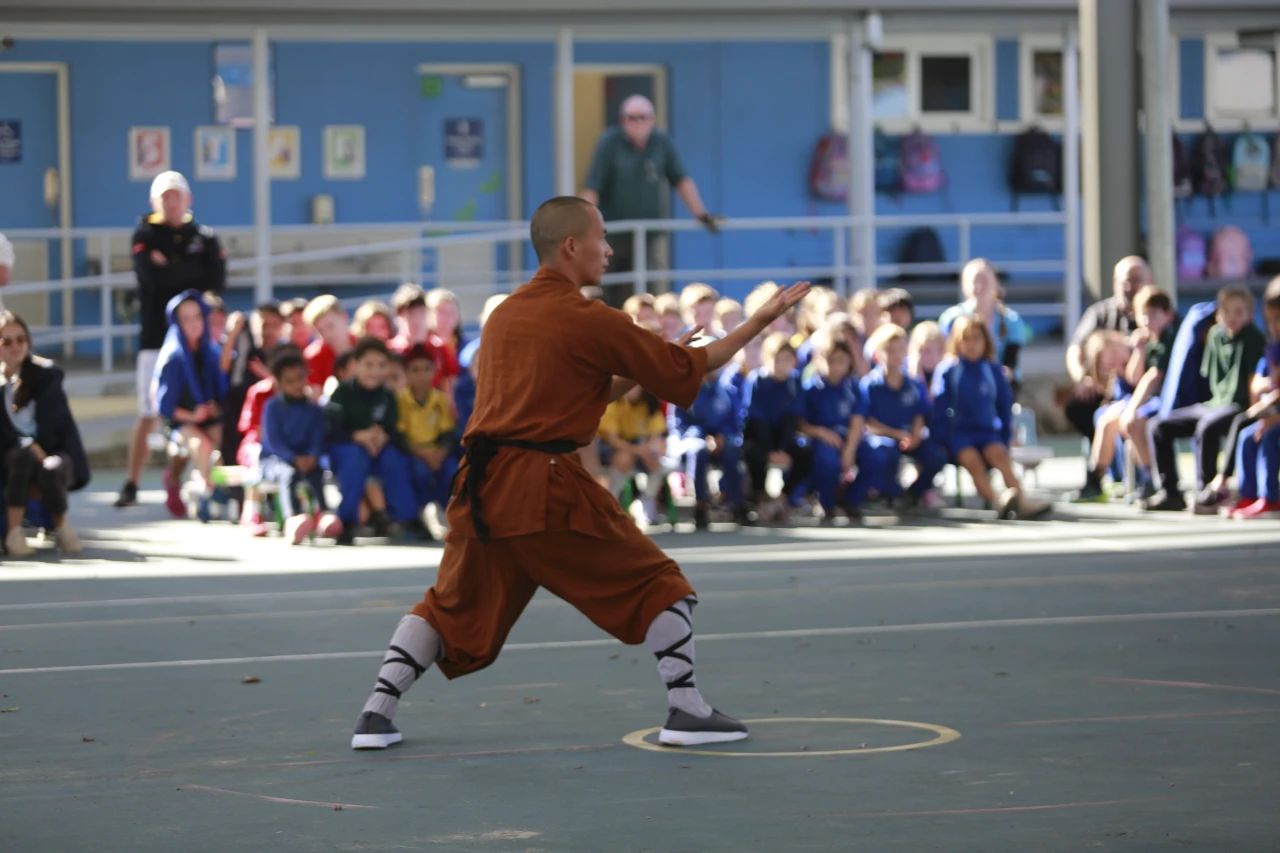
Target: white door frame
<point>515,129</point>
<point>60,72</point>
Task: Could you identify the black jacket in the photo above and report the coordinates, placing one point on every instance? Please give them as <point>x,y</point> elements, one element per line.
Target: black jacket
<point>195,260</point>
<point>56,430</point>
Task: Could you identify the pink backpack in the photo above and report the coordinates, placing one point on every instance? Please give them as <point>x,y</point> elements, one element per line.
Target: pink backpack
<point>1230,254</point>
<point>1191,252</point>
<point>921,164</point>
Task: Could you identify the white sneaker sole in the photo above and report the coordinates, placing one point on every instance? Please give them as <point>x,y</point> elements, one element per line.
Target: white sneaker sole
<point>375,741</point>
<point>666,737</point>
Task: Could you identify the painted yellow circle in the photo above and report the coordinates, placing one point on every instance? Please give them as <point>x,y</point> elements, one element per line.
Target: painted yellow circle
<point>942,735</point>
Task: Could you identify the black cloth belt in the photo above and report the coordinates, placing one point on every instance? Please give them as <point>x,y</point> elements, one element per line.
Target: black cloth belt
<point>483,448</point>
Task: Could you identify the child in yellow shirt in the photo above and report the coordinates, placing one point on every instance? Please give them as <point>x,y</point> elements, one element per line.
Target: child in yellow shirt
<point>427,422</point>
<point>633,435</point>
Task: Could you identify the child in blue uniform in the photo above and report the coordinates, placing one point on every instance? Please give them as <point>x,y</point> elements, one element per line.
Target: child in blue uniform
<point>774,407</point>
<point>710,433</point>
<point>973,415</point>
<point>833,407</point>
<point>897,415</point>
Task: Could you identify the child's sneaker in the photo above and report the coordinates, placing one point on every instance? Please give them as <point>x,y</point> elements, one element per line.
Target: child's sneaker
<point>1230,511</point>
<point>1007,504</point>
<point>380,524</point>
<point>1165,501</point>
<point>1029,507</point>
<point>684,729</point>
<point>128,496</point>
<point>328,526</point>
<point>65,538</point>
<point>1091,493</point>
<point>1261,508</point>
<point>433,517</point>
<point>173,496</point>
<point>701,516</point>
<point>649,511</point>
<point>1208,501</point>
<point>932,500</point>
<point>15,543</point>
<point>298,528</point>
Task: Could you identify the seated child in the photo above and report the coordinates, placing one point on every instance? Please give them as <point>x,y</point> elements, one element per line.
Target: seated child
<point>249,423</point>
<point>973,416</point>
<point>40,449</point>
<point>1106,355</point>
<point>427,424</point>
<point>897,410</point>
<point>414,326</point>
<point>642,309</point>
<point>926,349</point>
<point>698,305</point>
<point>1152,344</point>
<point>397,380</point>
<point>670,319</point>
<point>632,436</point>
<point>1257,449</point>
<point>364,442</point>
<point>897,307</point>
<point>1234,346</point>
<point>298,332</point>
<point>293,438</point>
<point>706,434</point>
<point>774,407</point>
<point>328,318</point>
<point>831,403</point>
<point>729,316</point>
<point>373,319</point>
<point>190,387</point>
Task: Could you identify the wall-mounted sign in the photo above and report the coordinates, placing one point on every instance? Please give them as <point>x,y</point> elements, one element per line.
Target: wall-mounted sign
<point>10,140</point>
<point>463,142</point>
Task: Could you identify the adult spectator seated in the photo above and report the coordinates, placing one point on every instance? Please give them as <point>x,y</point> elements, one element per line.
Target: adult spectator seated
<point>980,288</point>
<point>40,448</point>
<point>1114,314</point>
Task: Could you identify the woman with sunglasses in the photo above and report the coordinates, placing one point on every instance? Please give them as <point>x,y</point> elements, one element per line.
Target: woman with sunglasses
<point>41,454</point>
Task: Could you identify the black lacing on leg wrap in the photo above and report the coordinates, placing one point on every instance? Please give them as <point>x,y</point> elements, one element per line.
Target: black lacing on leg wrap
<point>685,680</point>
<point>401,657</point>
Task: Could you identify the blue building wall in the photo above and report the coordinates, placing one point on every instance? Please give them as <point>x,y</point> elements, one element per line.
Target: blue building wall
<point>745,116</point>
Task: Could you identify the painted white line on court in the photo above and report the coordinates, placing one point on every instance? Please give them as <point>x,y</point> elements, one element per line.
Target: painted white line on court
<point>931,585</point>
<point>848,631</point>
<point>854,551</point>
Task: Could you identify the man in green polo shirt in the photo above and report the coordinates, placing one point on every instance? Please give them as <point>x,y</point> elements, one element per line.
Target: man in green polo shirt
<point>632,169</point>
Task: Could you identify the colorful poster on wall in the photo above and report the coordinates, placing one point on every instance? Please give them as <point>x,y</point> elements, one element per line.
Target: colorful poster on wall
<point>284,152</point>
<point>148,152</point>
<point>463,142</point>
<point>10,140</point>
<point>215,153</point>
<point>344,152</point>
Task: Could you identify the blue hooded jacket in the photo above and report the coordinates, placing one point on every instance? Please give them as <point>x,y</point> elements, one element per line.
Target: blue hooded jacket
<point>184,377</point>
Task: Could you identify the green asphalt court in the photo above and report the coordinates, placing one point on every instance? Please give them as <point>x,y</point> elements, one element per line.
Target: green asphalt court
<point>1101,680</point>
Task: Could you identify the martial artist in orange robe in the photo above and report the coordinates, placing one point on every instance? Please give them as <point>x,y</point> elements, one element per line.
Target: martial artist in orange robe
<point>525,513</point>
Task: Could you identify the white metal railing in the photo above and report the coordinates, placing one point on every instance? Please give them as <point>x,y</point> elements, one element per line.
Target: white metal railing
<point>408,252</point>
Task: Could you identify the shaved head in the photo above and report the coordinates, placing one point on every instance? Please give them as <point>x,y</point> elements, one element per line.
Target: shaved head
<point>557,219</point>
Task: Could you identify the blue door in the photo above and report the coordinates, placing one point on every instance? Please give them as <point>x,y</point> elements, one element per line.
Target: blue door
<point>463,139</point>
<point>28,147</point>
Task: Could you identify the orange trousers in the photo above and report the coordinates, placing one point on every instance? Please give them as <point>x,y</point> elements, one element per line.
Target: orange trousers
<point>620,584</point>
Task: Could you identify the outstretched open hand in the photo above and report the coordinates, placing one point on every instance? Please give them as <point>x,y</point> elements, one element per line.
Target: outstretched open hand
<point>782,301</point>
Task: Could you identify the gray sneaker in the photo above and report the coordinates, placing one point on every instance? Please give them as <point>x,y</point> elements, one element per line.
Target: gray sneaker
<point>684,729</point>
<point>374,731</point>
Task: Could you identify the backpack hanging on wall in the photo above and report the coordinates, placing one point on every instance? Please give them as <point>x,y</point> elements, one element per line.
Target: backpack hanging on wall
<point>921,246</point>
<point>1250,163</point>
<point>829,169</point>
<point>1036,164</point>
<point>1210,167</point>
<point>1181,169</point>
<point>888,164</point>
<point>1191,253</point>
<point>1230,254</point>
<point>921,164</point>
